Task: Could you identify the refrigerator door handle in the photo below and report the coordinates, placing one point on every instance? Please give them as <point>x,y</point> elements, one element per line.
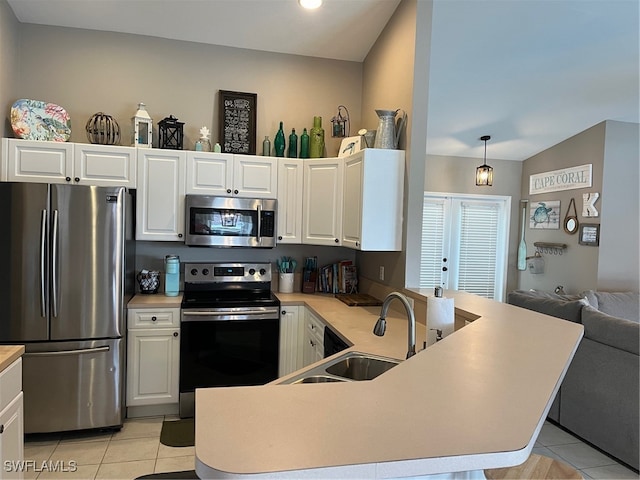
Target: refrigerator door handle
<point>54,264</point>
<point>43,273</point>
<point>67,352</point>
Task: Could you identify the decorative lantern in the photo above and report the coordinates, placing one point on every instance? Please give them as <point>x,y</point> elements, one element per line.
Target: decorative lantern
<point>142,128</point>
<point>340,123</point>
<point>170,134</point>
<point>484,173</point>
<point>103,129</point>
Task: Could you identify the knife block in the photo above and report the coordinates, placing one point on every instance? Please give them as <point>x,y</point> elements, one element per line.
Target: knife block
<point>309,278</point>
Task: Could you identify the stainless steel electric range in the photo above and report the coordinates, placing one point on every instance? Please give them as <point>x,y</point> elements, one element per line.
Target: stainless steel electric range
<point>230,328</point>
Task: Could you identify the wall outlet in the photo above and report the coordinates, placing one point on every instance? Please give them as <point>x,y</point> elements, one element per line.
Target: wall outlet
<point>381,275</point>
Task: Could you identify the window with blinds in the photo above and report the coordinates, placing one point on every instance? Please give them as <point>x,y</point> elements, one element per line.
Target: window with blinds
<point>464,243</point>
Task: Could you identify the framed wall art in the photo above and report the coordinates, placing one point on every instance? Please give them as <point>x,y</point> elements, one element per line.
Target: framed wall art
<point>544,215</point>
<point>237,121</point>
<point>589,234</point>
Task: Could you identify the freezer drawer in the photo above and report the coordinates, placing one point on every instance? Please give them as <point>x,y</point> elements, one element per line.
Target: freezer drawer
<point>73,385</point>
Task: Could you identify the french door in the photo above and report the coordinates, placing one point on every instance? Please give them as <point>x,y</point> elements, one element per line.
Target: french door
<point>465,243</point>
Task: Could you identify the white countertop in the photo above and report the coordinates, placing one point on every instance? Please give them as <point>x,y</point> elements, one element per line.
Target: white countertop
<point>475,400</point>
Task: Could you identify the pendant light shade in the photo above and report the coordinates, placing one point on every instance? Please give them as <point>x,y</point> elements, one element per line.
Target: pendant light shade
<point>484,173</point>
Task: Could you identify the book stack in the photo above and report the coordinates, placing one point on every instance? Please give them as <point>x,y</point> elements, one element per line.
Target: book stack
<point>341,277</point>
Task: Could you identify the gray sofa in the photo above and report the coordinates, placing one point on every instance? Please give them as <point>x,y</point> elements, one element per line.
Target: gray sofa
<point>598,399</point>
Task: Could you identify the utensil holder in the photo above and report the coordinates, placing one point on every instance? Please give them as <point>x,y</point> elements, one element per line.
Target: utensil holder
<point>285,283</point>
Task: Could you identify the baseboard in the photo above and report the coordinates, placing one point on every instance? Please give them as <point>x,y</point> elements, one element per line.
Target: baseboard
<point>152,410</point>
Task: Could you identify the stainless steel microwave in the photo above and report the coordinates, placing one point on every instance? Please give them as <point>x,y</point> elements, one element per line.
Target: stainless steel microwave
<point>230,221</point>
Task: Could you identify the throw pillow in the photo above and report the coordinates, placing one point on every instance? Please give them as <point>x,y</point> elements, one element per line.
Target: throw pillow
<point>609,330</point>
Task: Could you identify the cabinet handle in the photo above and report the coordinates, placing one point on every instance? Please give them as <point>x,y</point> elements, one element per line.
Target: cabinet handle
<point>175,334</point>
<point>77,179</point>
<point>312,344</point>
<point>235,192</point>
<point>68,179</point>
<point>179,235</point>
<point>228,190</point>
<point>337,241</point>
<point>284,312</point>
<point>279,237</point>
<point>154,318</point>
<point>2,428</point>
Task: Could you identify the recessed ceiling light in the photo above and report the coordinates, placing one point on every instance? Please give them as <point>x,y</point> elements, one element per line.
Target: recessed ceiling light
<point>310,4</point>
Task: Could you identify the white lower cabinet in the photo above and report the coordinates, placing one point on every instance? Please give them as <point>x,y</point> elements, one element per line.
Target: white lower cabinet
<point>313,344</point>
<point>11,421</point>
<point>153,356</point>
<point>291,340</point>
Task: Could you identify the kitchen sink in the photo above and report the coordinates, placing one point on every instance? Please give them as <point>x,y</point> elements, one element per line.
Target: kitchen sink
<point>319,379</point>
<point>349,367</point>
<point>361,367</point>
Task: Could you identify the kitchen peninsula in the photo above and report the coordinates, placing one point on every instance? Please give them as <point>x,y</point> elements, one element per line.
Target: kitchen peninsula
<point>475,400</point>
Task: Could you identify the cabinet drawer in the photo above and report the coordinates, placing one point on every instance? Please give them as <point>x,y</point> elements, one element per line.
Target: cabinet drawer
<point>157,317</point>
<point>10,383</point>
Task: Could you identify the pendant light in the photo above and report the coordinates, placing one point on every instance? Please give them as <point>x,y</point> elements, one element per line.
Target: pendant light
<point>484,173</point>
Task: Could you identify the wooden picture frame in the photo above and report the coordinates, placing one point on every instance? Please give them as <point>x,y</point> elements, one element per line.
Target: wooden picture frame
<point>589,234</point>
<point>237,122</point>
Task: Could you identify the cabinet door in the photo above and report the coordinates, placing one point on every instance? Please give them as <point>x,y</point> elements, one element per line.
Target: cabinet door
<point>104,165</point>
<point>290,176</point>
<point>12,438</point>
<point>41,162</point>
<point>352,206</point>
<point>160,198</point>
<point>291,338</point>
<point>209,173</point>
<point>255,176</point>
<point>322,216</point>
<point>153,357</point>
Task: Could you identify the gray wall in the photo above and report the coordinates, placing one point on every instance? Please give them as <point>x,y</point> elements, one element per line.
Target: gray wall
<point>618,259</point>
<point>613,150</point>
<point>398,61</point>
<point>458,175</point>
<point>88,71</point>
<point>9,65</point>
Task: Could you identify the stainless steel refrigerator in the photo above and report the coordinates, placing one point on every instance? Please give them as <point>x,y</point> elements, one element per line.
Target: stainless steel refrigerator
<point>66,273</point>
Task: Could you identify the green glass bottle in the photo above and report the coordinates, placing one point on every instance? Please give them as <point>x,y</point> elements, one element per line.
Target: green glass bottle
<point>293,144</point>
<point>304,144</point>
<point>316,140</point>
<point>278,142</point>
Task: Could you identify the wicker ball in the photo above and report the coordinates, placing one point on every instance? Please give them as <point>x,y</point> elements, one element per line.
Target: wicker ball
<point>103,129</point>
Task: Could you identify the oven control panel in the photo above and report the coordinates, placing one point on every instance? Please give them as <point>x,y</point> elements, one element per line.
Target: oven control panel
<point>226,272</point>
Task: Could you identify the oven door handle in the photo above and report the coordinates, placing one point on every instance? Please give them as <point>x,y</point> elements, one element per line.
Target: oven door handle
<point>200,316</point>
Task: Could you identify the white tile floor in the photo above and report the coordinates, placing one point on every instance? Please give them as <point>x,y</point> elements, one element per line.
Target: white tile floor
<point>136,450</point>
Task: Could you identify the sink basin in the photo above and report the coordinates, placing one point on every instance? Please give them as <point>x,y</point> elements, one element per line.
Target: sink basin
<point>361,367</point>
<point>319,379</point>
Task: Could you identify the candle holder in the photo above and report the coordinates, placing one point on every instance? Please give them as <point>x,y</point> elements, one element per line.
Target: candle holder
<point>170,135</point>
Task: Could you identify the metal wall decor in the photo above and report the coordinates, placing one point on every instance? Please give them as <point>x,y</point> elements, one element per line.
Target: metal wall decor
<point>103,129</point>
<point>170,134</point>
<point>570,223</point>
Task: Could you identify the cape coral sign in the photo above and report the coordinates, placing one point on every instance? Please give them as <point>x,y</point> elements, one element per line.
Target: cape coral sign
<point>557,180</point>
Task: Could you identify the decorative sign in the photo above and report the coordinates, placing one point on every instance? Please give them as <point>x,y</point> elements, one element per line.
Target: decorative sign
<point>557,180</point>
<point>588,208</point>
<point>589,234</point>
<point>238,122</point>
<point>544,215</point>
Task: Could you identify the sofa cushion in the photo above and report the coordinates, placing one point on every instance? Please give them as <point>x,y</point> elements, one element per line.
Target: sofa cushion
<point>556,307</point>
<point>619,304</point>
<point>610,330</point>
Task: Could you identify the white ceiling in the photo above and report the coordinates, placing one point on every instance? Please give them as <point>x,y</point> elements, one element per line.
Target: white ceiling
<point>530,73</point>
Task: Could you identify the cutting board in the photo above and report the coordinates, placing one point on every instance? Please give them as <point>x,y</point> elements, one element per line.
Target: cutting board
<point>358,299</point>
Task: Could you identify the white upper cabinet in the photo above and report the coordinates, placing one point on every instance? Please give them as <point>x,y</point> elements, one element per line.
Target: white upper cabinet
<point>226,174</point>
<point>160,197</point>
<point>322,217</point>
<point>290,178</point>
<point>79,163</point>
<point>209,173</point>
<point>373,200</point>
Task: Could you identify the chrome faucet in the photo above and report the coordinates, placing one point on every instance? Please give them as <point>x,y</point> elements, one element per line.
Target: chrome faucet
<point>381,324</point>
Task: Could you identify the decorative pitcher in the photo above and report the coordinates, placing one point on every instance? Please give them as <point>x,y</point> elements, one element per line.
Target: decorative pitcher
<point>388,134</point>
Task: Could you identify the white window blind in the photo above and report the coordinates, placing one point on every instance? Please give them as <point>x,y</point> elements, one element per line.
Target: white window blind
<point>478,248</point>
<point>433,225</point>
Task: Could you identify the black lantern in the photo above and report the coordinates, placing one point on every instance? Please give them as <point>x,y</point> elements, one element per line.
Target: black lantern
<point>484,173</point>
<point>170,133</point>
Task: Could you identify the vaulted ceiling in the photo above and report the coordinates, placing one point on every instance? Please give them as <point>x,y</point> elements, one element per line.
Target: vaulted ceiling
<point>530,73</point>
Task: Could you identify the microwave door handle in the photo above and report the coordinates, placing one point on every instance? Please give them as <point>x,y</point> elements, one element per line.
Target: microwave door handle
<point>43,269</point>
<point>259,223</point>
